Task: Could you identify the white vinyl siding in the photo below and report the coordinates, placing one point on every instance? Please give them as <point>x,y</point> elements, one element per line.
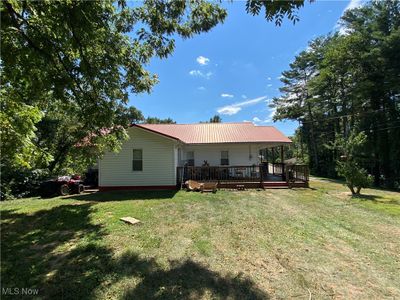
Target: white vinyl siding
<point>239,154</point>
<point>158,158</point>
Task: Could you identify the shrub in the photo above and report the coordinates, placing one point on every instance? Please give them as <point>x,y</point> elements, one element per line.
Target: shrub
<point>21,183</point>
<point>356,177</point>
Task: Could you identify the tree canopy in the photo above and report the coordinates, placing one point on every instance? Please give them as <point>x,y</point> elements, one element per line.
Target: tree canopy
<point>74,62</point>
<point>216,119</point>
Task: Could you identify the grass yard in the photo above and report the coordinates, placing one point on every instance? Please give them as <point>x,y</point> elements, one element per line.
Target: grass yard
<point>314,243</point>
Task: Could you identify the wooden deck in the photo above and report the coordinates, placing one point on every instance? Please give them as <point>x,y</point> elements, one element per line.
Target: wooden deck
<point>262,185</point>
<point>237,177</point>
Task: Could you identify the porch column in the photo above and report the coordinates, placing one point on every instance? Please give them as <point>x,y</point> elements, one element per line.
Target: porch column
<point>283,165</point>
<point>273,160</point>
<point>273,154</point>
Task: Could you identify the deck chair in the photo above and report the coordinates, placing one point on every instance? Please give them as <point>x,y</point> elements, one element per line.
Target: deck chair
<point>193,185</point>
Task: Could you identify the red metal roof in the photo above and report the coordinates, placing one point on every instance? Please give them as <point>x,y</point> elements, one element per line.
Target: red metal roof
<point>209,133</point>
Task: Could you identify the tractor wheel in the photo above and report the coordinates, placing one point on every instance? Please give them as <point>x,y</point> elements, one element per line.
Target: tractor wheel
<point>64,190</point>
<point>81,188</point>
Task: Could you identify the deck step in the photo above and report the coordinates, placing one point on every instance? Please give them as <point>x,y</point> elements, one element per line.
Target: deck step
<point>275,185</point>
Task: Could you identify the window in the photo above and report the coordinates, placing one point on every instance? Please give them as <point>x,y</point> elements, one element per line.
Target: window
<point>190,158</point>
<point>137,162</point>
<point>224,158</point>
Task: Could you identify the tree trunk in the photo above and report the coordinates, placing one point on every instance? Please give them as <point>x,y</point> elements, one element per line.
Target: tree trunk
<point>314,145</point>
<point>60,157</point>
<point>351,187</point>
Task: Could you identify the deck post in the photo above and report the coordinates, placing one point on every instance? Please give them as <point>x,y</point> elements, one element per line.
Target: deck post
<point>283,165</point>
<point>273,154</point>
<point>273,160</point>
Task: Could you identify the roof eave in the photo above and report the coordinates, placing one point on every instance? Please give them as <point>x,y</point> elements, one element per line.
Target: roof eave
<point>155,132</point>
<point>250,142</point>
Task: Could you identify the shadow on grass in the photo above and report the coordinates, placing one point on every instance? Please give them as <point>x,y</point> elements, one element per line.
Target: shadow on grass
<point>374,198</point>
<point>325,179</point>
<point>125,195</point>
<point>62,253</point>
<point>189,280</point>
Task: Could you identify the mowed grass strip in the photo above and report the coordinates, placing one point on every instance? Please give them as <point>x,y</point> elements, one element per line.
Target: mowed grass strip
<point>251,244</point>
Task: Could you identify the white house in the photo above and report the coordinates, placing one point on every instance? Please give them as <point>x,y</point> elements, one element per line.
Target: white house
<point>157,156</point>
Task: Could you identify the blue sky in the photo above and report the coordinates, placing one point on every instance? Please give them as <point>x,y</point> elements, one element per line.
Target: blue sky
<point>234,69</point>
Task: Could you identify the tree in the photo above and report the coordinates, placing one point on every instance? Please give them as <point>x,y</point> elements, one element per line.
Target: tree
<point>155,120</point>
<point>216,119</point>
<point>132,114</point>
<point>348,166</point>
<point>297,102</point>
<point>275,10</point>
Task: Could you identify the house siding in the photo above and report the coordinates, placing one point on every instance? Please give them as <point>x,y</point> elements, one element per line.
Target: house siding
<point>159,162</point>
<point>239,154</point>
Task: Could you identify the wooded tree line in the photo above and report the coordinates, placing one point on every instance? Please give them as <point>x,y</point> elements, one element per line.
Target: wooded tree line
<point>348,83</point>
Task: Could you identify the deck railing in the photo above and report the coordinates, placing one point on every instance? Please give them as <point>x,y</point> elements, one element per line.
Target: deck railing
<point>220,173</point>
<point>254,173</point>
<point>277,169</point>
<point>297,173</point>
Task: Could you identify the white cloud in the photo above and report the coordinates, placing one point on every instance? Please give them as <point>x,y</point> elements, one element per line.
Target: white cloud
<point>269,78</point>
<point>229,110</point>
<point>236,107</point>
<point>208,75</point>
<point>269,85</point>
<point>203,60</point>
<point>226,95</point>
<point>201,88</point>
<point>353,4</point>
<point>199,73</point>
<point>272,112</point>
<point>244,96</point>
<point>195,72</point>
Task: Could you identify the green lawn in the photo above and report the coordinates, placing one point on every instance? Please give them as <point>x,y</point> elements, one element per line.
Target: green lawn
<point>231,245</point>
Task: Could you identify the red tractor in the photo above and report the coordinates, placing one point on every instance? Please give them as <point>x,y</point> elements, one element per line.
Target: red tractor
<point>62,186</point>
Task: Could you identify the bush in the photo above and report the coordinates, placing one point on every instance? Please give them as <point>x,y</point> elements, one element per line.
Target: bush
<point>356,177</point>
<point>21,183</point>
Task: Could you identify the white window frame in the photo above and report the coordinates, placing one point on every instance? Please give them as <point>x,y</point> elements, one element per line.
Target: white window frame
<point>227,157</point>
<point>133,159</point>
<point>187,158</point>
